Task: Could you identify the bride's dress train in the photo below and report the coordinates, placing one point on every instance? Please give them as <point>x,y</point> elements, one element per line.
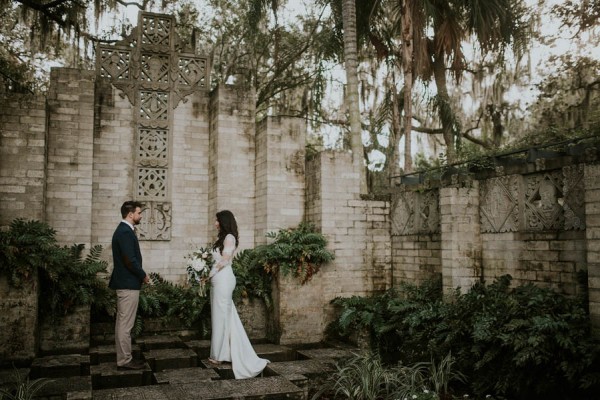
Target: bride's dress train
<point>229,341</point>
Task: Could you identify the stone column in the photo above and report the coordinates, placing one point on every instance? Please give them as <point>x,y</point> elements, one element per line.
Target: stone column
<point>592,233</point>
<point>460,236</point>
<point>280,154</point>
<point>232,158</point>
<point>70,154</point>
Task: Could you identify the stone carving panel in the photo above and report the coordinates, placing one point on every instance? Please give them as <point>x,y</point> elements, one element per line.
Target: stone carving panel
<point>499,208</point>
<point>156,221</point>
<point>574,191</point>
<point>192,71</point>
<point>544,201</point>
<point>156,30</point>
<point>154,106</point>
<point>152,183</point>
<point>154,68</point>
<point>155,71</point>
<point>403,215</point>
<point>114,63</point>
<point>153,147</point>
<point>429,216</point>
<point>416,213</point>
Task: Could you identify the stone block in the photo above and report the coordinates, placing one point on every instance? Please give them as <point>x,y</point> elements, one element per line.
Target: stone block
<point>107,376</point>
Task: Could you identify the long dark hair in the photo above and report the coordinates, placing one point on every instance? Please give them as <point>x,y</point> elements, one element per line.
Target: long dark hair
<point>227,225</point>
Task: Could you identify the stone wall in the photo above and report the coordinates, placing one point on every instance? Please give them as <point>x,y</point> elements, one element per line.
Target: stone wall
<point>18,322</point>
<point>535,222</point>
<point>22,157</point>
<point>358,234</point>
<point>592,237</point>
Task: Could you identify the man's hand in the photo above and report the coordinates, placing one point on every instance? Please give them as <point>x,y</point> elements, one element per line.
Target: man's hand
<point>146,279</point>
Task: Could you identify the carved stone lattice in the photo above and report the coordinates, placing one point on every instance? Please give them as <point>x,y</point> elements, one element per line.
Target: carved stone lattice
<point>156,30</point>
<point>154,105</point>
<point>574,203</point>
<point>403,216</point>
<point>192,71</point>
<point>153,147</point>
<point>114,64</point>
<point>156,72</point>
<point>543,202</point>
<point>416,213</point>
<point>152,183</point>
<point>428,217</point>
<point>156,221</point>
<point>154,68</point>
<point>499,209</point>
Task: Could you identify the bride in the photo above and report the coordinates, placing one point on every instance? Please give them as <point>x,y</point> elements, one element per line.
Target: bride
<point>229,341</point>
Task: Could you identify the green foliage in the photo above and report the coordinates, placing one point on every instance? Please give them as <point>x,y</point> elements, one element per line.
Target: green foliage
<point>165,300</point>
<point>366,376</point>
<point>21,388</point>
<point>67,278</point>
<point>525,342</point>
<point>299,252</point>
<point>72,279</point>
<point>26,247</point>
<point>251,278</point>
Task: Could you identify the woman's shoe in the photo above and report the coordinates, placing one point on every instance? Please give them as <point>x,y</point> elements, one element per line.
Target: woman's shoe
<point>214,362</point>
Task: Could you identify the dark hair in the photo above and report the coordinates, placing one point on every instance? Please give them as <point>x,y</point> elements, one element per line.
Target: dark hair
<point>129,206</point>
<point>227,225</point>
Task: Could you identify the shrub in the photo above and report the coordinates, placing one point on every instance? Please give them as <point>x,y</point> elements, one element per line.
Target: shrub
<point>525,342</point>
<point>67,278</point>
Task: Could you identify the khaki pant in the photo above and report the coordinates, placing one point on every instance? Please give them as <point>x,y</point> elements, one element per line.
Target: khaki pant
<point>127,304</point>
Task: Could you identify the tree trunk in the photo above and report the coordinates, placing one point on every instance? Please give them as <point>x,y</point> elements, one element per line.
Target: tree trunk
<point>445,113</point>
<point>407,65</point>
<point>351,66</point>
<point>393,152</point>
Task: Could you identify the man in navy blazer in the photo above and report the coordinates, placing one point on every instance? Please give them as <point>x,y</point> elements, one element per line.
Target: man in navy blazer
<point>127,279</point>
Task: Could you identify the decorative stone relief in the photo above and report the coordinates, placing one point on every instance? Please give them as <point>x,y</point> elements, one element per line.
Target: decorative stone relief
<point>154,106</point>
<point>543,201</point>
<point>153,147</point>
<point>499,207</point>
<point>152,70</point>
<point>403,215</point>
<point>574,191</point>
<point>152,183</point>
<point>156,29</point>
<point>155,68</point>
<point>114,64</point>
<point>416,213</point>
<point>156,221</point>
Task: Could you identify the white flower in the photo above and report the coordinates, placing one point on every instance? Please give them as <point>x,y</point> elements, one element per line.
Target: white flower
<point>425,391</point>
<point>204,255</point>
<point>414,396</point>
<point>198,265</point>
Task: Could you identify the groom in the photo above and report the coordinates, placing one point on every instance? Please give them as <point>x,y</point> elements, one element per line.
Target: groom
<point>127,278</point>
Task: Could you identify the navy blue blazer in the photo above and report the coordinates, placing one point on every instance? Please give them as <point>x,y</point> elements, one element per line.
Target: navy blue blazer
<point>127,259</point>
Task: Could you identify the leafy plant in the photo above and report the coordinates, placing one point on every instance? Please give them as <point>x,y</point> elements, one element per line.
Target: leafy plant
<point>26,247</point>
<point>524,342</point>
<point>251,278</point>
<point>21,388</point>
<point>67,278</point>
<point>163,299</point>
<point>299,252</point>
<point>72,280</point>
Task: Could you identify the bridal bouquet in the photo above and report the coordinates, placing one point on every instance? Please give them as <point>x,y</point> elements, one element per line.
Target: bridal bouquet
<point>199,265</point>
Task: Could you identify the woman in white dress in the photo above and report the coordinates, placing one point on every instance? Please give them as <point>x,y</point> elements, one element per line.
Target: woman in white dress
<point>229,341</point>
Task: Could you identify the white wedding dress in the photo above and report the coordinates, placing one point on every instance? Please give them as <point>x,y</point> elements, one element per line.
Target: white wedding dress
<point>229,341</point>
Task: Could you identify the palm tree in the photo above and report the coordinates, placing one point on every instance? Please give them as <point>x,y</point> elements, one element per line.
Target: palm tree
<point>351,66</point>
<point>492,24</point>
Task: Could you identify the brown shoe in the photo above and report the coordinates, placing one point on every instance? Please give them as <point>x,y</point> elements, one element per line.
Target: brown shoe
<point>133,364</point>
